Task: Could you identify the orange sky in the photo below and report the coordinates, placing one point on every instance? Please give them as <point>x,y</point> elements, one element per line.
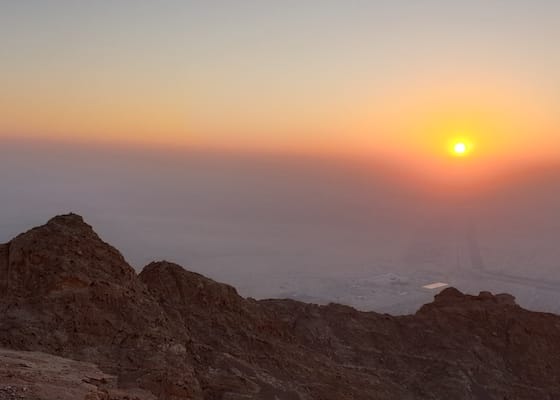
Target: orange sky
<point>395,81</point>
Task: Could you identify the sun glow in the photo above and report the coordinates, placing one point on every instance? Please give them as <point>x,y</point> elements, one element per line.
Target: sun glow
<point>460,148</point>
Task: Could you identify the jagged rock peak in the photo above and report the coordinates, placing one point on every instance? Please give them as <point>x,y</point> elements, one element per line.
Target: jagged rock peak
<point>452,295</point>
<point>449,294</point>
<point>71,226</point>
<point>65,250</point>
<point>69,220</point>
<point>173,283</point>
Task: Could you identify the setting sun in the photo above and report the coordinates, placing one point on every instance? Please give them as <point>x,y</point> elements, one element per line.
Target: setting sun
<point>460,148</point>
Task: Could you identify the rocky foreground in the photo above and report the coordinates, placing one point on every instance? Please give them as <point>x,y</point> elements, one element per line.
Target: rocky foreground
<point>77,322</point>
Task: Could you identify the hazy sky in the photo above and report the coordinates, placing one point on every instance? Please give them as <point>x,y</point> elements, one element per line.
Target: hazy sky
<point>128,112</point>
<point>284,226</point>
<point>392,78</point>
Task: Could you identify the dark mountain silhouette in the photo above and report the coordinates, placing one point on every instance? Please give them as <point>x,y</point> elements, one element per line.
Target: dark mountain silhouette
<point>172,334</point>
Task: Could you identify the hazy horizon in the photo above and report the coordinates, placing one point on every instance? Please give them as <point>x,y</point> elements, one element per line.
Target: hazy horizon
<point>303,227</point>
<point>321,150</point>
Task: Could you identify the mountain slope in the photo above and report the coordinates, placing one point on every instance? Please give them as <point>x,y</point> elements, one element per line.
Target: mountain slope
<point>179,335</point>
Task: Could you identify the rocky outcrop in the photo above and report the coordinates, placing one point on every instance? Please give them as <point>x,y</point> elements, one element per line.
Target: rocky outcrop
<point>40,376</point>
<point>68,293</point>
<point>173,334</point>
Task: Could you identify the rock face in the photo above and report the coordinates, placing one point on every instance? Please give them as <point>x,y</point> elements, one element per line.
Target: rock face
<point>37,376</point>
<point>172,334</point>
<point>68,293</point>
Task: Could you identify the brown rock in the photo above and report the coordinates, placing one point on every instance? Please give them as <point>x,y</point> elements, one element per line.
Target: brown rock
<point>69,293</point>
<point>40,376</point>
<point>179,335</point>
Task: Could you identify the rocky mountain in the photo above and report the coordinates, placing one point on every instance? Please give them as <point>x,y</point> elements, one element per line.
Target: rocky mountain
<point>76,321</point>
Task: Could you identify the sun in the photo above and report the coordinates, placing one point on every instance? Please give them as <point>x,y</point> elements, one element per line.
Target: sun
<point>460,148</point>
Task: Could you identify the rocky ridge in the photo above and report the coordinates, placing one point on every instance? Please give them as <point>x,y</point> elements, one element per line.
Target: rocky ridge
<point>168,333</point>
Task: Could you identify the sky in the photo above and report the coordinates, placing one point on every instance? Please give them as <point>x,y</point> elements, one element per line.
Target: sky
<point>297,227</point>
<point>296,149</point>
<point>395,80</point>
